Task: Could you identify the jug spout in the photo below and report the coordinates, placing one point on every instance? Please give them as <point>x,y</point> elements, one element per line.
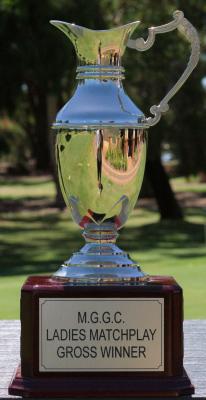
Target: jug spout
<point>93,47</point>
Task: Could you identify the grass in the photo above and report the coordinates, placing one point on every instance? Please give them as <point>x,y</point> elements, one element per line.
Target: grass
<point>192,185</point>
<point>37,240</point>
<point>27,188</point>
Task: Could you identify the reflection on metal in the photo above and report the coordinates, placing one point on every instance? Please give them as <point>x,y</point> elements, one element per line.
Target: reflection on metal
<point>102,47</point>
<point>98,170</point>
<point>101,146</point>
<point>100,260</point>
<point>100,173</point>
<point>99,99</point>
<point>122,154</point>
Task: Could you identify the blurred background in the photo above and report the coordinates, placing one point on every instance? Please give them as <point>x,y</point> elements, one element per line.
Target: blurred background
<point>166,233</point>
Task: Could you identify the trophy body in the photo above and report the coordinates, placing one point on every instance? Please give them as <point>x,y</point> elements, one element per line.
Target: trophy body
<point>100,326</point>
<point>100,184</point>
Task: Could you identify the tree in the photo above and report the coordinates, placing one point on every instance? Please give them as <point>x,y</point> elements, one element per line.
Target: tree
<point>150,75</point>
<point>42,59</point>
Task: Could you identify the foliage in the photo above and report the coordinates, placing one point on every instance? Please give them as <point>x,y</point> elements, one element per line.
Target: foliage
<point>13,144</point>
<point>116,158</point>
<point>43,57</point>
<point>38,71</point>
<point>151,74</point>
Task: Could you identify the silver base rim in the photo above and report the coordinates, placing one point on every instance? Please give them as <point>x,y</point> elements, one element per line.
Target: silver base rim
<point>97,262</point>
<point>95,274</point>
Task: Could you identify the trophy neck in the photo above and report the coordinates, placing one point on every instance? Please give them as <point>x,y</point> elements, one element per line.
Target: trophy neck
<point>100,72</point>
<point>103,233</point>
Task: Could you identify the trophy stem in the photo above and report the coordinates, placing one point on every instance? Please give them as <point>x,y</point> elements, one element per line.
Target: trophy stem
<point>100,260</point>
<point>103,233</point>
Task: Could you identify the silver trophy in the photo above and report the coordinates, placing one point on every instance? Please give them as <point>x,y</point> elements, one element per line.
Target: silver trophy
<point>101,143</point>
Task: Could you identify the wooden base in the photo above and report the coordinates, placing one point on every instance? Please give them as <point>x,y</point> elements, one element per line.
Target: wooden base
<point>173,381</point>
<point>100,387</point>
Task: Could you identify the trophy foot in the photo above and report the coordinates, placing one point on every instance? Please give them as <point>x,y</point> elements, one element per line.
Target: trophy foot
<point>100,263</point>
<point>100,260</point>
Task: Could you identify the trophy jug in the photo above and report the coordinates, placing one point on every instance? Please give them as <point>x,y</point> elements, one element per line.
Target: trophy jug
<point>101,327</point>
<point>101,142</point>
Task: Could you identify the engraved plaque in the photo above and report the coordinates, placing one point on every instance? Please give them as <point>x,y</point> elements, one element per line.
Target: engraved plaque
<point>101,334</point>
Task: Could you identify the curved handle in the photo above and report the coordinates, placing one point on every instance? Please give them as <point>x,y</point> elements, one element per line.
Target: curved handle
<point>190,33</point>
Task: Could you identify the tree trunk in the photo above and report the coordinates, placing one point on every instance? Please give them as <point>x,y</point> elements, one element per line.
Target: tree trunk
<point>38,102</point>
<point>167,204</point>
<point>43,161</point>
<point>52,110</point>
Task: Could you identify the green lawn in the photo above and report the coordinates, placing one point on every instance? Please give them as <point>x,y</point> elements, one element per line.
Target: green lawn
<point>35,240</point>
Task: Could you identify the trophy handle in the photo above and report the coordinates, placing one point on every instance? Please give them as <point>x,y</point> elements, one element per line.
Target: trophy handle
<point>190,33</point>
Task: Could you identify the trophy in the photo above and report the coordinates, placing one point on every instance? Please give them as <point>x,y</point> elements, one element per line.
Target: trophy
<point>100,326</point>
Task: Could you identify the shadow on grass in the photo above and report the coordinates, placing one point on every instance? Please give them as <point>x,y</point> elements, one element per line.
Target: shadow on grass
<point>27,181</point>
<point>21,261</point>
<point>198,211</point>
<point>34,245</point>
<point>164,235</point>
<point>26,203</point>
<point>25,198</point>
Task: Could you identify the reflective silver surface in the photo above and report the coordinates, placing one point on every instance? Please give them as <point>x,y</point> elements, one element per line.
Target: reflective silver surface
<point>100,173</point>
<point>101,140</point>
<point>98,47</point>
<point>99,103</point>
<point>99,99</point>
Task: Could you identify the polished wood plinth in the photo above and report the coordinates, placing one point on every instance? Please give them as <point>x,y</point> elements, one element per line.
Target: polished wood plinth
<point>173,381</point>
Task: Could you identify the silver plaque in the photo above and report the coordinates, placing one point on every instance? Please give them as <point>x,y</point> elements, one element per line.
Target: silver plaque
<point>101,334</point>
